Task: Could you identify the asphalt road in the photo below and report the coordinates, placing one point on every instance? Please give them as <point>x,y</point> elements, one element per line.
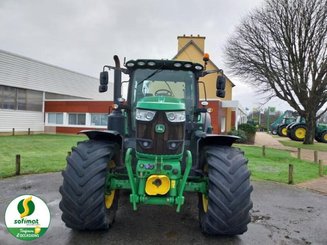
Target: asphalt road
<point>281,214</point>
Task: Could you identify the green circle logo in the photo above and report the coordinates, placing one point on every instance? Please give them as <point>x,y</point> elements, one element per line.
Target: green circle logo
<point>27,217</point>
<point>26,207</point>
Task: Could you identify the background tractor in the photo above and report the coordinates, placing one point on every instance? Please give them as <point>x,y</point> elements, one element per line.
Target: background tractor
<point>280,120</point>
<point>282,127</point>
<point>297,130</point>
<point>321,133</point>
<point>157,147</point>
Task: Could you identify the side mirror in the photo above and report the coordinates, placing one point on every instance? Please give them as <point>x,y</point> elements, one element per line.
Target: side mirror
<point>104,79</point>
<point>221,83</point>
<point>220,86</point>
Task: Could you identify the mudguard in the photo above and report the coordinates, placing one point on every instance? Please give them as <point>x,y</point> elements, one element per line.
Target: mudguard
<point>203,139</point>
<point>109,135</point>
<point>215,139</point>
<point>296,124</point>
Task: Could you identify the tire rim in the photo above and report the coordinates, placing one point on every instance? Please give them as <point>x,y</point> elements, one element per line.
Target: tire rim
<point>205,203</point>
<point>109,199</point>
<point>205,197</point>
<point>300,133</point>
<point>284,131</point>
<point>325,137</point>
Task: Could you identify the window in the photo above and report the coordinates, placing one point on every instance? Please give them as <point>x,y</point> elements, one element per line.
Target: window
<point>55,118</point>
<point>76,119</point>
<point>9,98</point>
<point>223,124</point>
<point>166,83</point>
<point>1,95</point>
<point>34,100</point>
<point>20,99</point>
<point>99,119</point>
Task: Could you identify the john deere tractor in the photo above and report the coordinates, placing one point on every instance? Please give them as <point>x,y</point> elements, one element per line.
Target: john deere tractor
<point>297,130</point>
<point>282,127</point>
<point>158,146</point>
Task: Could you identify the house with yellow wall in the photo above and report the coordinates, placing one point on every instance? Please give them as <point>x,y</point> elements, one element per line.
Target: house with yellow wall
<point>224,110</point>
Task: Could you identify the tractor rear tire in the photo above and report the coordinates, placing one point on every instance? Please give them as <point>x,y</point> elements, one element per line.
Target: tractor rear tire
<point>298,133</point>
<point>228,203</point>
<point>289,134</point>
<point>317,138</point>
<point>83,189</point>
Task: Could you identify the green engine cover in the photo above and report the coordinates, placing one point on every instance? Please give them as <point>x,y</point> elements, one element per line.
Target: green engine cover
<point>161,103</point>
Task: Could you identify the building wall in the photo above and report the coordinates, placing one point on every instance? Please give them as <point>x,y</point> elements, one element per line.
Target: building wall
<point>22,72</point>
<point>78,106</point>
<point>72,130</point>
<point>21,120</point>
<point>21,76</point>
<point>221,117</point>
<point>183,40</point>
<point>229,123</point>
<point>65,108</point>
<point>193,54</point>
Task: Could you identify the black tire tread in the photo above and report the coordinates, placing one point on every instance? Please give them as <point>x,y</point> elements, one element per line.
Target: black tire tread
<point>229,192</point>
<point>321,137</point>
<point>83,186</point>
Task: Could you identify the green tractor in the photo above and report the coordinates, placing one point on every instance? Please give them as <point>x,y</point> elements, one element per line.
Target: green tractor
<point>282,127</point>
<point>321,133</point>
<point>280,120</point>
<point>157,147</point>
<point>297,130</point>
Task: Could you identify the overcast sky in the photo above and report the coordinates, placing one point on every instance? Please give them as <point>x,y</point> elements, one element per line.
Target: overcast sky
<point>84,35</point>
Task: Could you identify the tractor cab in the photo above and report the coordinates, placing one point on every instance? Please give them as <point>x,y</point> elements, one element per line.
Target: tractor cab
<point>161,86</point>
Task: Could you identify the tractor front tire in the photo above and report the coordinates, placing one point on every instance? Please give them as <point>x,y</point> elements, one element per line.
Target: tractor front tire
<point>83,202</point>
<point>323,137</point>
<point>225,210</point>
<point>298,133</point>
<point>282,131</point>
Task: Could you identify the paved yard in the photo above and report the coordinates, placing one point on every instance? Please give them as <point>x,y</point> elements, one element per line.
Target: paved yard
<point>281,214</point>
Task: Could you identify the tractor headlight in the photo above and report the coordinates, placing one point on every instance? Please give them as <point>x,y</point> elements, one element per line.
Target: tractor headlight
<point>176,116</point>
<point>145,115</point>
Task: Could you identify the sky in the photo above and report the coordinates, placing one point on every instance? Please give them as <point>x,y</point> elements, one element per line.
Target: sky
<point>83,35</point>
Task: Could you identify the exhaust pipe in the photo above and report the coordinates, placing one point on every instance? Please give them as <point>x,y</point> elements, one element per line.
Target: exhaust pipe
<point>117,80</point>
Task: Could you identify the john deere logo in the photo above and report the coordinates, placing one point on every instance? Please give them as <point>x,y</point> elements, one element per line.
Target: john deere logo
<point>26,207</point>
<point>160,128</point>
<point>27,217</point>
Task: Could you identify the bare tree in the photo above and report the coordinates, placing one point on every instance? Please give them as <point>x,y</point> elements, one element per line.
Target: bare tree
<point>281,49</point>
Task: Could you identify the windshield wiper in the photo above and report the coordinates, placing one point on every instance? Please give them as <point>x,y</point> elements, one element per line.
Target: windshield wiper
<point>149,76</point>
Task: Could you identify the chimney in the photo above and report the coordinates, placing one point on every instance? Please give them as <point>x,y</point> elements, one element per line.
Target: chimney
<point>184,40</point>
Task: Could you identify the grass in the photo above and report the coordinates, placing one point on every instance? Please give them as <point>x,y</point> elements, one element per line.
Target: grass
<point>274,167</point>
<point>47,153</point>
<point>39,153</point>
<point>316,146</point>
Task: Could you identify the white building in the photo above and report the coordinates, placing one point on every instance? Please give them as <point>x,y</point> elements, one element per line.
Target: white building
<point>25,85</point>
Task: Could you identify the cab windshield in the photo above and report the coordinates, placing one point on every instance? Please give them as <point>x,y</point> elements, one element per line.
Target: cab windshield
<point>173,83</point>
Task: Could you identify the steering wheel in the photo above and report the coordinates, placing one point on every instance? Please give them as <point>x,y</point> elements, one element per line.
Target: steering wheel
<point>164,92</point>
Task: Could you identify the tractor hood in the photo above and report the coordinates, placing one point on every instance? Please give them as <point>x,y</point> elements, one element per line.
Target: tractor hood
<point>322,126</point>
<point>161,103</point>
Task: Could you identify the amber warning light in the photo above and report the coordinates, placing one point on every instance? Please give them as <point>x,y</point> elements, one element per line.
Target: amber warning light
<point>206,57</point>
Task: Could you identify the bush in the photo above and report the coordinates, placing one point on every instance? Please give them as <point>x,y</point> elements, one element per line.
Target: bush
<point>249,130</point>
<point>239,133</point>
